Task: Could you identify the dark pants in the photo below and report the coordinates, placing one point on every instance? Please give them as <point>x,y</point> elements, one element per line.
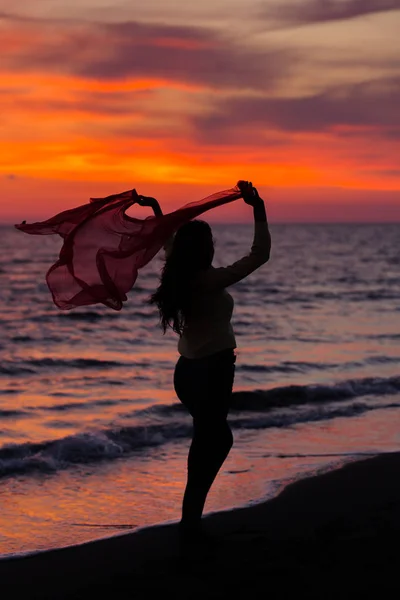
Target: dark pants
<point>204,386</point>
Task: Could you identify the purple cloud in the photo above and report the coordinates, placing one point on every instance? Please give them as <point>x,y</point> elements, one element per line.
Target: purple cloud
<point>321,11</point>
<point>192,55</point>
<point>373,104</point>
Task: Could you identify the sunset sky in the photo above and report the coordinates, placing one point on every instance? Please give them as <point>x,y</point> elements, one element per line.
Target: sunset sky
<point>182,99</point>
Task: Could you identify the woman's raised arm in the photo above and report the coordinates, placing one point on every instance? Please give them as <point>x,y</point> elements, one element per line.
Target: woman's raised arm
<point>222,277</point>
<point>149,201</point>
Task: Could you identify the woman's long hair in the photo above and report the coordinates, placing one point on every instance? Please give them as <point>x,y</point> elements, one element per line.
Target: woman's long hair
<point>192,251</point>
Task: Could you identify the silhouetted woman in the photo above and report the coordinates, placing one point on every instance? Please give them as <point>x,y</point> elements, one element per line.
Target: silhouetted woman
<point>193,301</point>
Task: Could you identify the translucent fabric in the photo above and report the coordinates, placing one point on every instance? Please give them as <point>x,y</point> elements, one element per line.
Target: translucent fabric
<point>103,248</point>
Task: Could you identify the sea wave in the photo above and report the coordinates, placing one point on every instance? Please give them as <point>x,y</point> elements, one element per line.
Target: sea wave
<point>38,365</point>
<point>315,393</point>
<point>296,395</point>
<point>287,367</point>
<point>7,413</point>
<point>75,363</point>
<point>84,448</point>
<point>90,316</point>
<point>11,369</point>
<point>320,413</point>
<point>71,406</point>
<point>259,409</point>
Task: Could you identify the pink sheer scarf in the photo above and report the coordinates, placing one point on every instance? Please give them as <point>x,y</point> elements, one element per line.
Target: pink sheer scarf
<point>103,248</point>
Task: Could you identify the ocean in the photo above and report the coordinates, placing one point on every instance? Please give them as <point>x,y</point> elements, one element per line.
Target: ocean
<point>93,440</point>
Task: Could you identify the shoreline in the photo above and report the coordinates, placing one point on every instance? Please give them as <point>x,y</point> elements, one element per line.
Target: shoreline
<point>338,528</point>
<point>278,486</point>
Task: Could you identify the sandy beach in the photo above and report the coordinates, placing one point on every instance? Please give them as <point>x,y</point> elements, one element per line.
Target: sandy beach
<point>331,536</point>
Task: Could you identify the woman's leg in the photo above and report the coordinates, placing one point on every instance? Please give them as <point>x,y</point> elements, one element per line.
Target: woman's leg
<point>205,388</point>
<point>210,446</point>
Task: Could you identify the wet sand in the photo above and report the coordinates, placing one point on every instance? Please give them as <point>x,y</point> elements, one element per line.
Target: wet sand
<point>331,536</point>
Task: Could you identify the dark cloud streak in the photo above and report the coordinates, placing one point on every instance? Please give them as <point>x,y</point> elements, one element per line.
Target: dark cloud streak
<point>323,11</point>
<point>366,105</point>
<point>191,55</point>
